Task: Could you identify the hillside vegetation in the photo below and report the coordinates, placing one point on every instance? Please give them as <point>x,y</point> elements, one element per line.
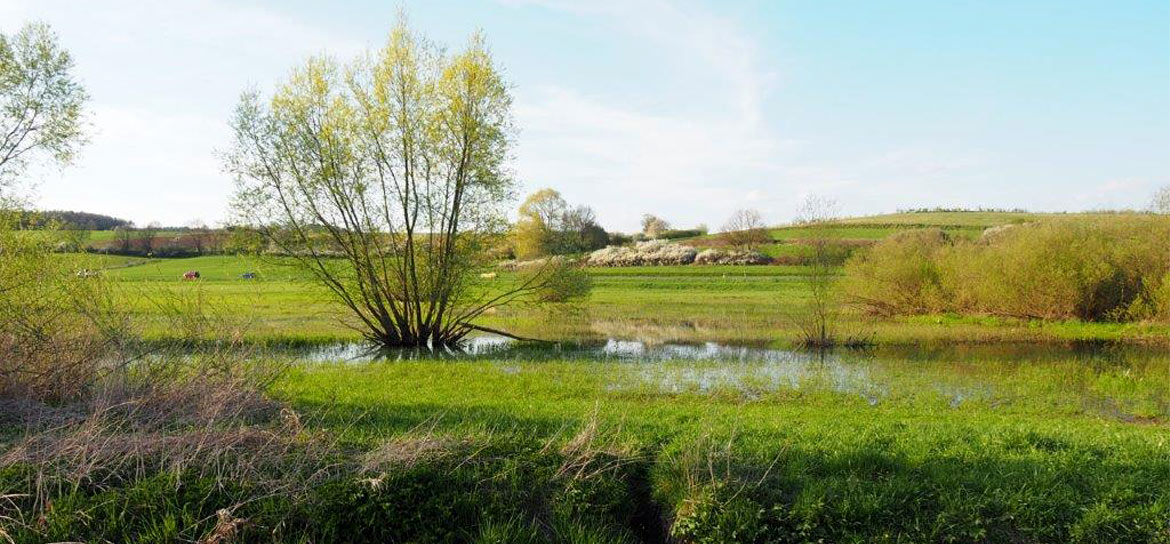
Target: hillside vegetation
<point>1089,267</point>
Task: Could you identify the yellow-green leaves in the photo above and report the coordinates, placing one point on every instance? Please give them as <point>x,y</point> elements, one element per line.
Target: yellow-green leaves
<point>393,162</point>
<point>41,105</point>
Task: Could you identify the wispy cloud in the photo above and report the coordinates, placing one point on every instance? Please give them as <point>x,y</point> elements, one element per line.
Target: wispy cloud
<point>163,77</point>
<point>626,160</point>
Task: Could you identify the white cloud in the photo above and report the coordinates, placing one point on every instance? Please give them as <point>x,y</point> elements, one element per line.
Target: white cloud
<point>691,33</point>
<point>163,77</point>
<point>1116,194</point>
<point>627,162</point>
<point>690,163</point>
<point>146,166</point>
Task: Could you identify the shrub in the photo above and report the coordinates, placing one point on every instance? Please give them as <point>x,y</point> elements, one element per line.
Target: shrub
<point>900,275</point>
<point>1108,269</point>
<point>719,256</point>
<point>651,253</point>
<point>56,318</point>
<point>567,282</point>
<point>678,234</point>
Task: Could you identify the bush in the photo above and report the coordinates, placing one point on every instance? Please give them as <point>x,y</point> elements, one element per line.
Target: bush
<point>1109,269</point>
<point>56,318</point>
<point>719,256</point>
<point>651,253</point>
<point>900,275</point>
<point>565,282</point>
<point>678,234</point>
<point>619,239</point>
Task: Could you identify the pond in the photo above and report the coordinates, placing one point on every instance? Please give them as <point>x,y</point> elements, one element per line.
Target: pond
<point>1129,383</point>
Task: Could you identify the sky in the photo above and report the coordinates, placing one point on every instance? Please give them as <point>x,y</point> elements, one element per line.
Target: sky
<point>681,108</point>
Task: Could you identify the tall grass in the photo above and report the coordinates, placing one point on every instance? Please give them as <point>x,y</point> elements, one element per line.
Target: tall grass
<point>87,409</point>
<point>1107,268</point>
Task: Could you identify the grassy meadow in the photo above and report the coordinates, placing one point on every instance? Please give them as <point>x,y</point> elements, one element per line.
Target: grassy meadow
<point>949,428</point>
<point>752,304</point>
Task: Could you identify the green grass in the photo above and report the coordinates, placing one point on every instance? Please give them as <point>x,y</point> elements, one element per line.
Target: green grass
<point>974,219</point>
<point>935,446</point>
<point>1032,458</point>
<point>101,235</point>
<point>721,303</point>
<point>985,430</point>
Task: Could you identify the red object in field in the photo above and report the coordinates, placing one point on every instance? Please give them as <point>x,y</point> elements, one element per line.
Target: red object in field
<point>191,275</point>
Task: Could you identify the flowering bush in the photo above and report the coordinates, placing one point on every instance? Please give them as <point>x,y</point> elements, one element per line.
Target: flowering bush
<point>651,253</point>
<point>719,256</point>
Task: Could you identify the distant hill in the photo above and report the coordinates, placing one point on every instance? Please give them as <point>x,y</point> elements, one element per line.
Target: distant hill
<point>75,220</point>
<point>960,218</point>
<point>790,243</point>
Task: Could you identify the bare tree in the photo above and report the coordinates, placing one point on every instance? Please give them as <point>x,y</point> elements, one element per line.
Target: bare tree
<point>653,226</point>
<point>124,236</point>
<point>1161,201</point>
<point>40,102</point>
<point>746,230</point>
<point>386,180</point>
<point>198,233</point>
<point>146,236</point>
<point>819,314</point>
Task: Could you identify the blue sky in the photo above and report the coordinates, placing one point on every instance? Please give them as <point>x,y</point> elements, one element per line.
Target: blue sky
<point>685,109</point>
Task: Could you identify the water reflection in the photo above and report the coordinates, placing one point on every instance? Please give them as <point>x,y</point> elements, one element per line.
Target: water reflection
<point>1126,382</point>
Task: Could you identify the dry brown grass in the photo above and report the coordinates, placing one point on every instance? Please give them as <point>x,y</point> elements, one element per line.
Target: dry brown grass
<point>415,446</point>
<point>208,425</point>
<point>122,411</point>
<point>594,450</point>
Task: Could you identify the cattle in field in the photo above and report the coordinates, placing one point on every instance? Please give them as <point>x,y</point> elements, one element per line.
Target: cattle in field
<point>191,275</point>
<point>488,275</point>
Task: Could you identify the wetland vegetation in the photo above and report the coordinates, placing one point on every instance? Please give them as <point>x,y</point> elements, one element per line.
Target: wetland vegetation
<point>926,376</point>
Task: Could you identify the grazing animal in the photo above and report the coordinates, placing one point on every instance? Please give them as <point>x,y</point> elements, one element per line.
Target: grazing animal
<point>248,275</point>
<point>86,273</point>
<point>191,275</point>
<point>488,275</point>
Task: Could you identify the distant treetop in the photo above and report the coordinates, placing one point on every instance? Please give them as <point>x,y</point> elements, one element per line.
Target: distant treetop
<point>75,220</point>
<point>940,209</point>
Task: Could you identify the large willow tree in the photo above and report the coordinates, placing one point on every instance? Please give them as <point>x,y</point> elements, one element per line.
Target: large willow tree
<point>386,179</point>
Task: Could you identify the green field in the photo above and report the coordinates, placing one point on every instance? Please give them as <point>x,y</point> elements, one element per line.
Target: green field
<point>917,446</point>
<point>972,219</point>
<point>861,230</point>
<point>721,303</point>
<point>707,428</point>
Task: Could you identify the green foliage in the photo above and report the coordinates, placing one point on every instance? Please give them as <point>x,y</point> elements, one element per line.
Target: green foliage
<point>401,239</point>
<point>548,226</point>
<point>55,315</point>
<point>510,492</point>
<point>566,282</point>
<point>244,241</point>
<point>1106,269</point>
<point>40,101</point>
<point>679,234</point>
<point>900,274</point>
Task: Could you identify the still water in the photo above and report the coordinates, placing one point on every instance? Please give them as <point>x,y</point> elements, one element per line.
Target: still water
<point>1129,383</point>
